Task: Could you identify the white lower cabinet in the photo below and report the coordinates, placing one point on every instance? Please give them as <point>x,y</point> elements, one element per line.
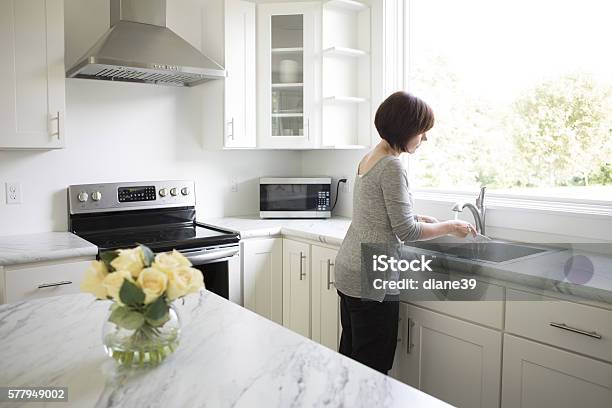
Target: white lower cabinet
<point>32,281</point>
<point>453,360</point>
<point>536,375</point>
<point>263,277</point>
<point>296,286</point>
<point>325,300</point>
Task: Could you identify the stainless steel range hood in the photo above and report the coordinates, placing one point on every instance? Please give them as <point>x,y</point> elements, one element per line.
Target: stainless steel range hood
<point>139,47</point>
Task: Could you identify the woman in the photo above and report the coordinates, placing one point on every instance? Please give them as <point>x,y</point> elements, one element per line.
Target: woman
<point>382,213</point>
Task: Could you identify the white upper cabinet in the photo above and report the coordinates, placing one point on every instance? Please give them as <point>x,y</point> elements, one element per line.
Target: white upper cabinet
<point>32,100</point>
<point>288,80</point>
<point>346,81</point>
<point>240,125</point>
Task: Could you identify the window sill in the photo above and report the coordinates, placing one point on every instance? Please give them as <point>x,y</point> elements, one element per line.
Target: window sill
<point>575,207</point>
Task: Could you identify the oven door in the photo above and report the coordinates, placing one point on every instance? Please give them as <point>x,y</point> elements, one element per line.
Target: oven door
<point>294,198</point>
<point>220,266</point>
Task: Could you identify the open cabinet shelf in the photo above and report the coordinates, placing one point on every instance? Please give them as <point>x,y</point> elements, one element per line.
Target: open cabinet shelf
<point>348,5</point>
<point>345,99</point>
<point>346,75</point>
<point>345,52</point>
<point>291,50</point>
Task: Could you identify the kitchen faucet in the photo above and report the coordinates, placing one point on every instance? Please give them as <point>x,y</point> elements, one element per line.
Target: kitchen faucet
<point>478,210</point>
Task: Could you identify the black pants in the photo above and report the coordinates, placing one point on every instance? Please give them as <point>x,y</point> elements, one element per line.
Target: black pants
<point>369,330</point>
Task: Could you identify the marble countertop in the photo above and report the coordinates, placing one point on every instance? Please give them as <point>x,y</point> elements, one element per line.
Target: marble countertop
<point>228,357</point>
<point>331,231</point>
<point>47,246</point>
<point>545,272</point>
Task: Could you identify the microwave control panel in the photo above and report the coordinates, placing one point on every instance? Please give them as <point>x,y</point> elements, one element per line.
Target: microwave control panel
<point>323,202</point>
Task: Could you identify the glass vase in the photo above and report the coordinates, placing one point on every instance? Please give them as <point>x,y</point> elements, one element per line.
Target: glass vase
<point>146,346</point>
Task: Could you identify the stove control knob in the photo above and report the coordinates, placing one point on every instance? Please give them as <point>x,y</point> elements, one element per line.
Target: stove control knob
<point>174,192</point>
<point>163,192</point>
<point>96,196</point>
<point>83,196</point>
<point>185,191</point>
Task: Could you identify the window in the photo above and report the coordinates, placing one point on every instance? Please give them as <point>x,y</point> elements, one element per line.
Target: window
<point>522,92</point>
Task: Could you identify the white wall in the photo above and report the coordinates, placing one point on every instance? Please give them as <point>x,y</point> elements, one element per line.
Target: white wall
<point>137,132</point>
<point>337,164</point>
<point>125,132</point>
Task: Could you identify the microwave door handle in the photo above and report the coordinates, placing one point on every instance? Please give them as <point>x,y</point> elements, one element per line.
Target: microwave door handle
<point>216,256</point>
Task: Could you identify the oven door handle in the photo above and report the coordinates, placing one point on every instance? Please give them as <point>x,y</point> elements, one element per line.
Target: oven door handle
<point>213,256</point>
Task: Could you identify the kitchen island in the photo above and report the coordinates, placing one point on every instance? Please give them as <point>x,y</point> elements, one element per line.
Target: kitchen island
<point>228,356</point>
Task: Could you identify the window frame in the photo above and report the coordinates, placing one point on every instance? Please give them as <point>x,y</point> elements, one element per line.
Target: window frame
<point>535,202</point>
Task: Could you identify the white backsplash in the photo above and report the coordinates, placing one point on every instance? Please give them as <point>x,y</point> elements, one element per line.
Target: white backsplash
<point>133,132</point>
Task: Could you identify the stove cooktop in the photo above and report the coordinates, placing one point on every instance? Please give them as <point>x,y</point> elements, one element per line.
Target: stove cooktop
<point>162,238</point>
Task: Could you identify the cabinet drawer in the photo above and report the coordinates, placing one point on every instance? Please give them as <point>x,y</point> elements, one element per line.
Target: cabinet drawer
<point>486,309</point>
<point>580,328</point>
<point>31,282</point>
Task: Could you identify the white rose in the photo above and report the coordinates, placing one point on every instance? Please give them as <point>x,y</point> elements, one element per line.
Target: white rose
<point>131,260</point>
<point>168,261</point>
<point>94,276</point>
<point>113,281</point>
<point>182,281</point>
<point>153,283</point>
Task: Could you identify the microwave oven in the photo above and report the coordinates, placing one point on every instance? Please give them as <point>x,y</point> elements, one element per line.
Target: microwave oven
<point>296,197</point>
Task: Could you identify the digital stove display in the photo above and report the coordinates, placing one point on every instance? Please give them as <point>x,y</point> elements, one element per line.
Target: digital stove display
<point>140,193</point>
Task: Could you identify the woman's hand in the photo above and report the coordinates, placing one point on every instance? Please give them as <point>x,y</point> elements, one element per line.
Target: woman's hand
<point>461,229</point>
<point>427,219</point>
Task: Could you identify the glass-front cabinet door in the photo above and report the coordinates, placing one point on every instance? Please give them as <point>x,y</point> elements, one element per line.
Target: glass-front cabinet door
<point>287,63</point>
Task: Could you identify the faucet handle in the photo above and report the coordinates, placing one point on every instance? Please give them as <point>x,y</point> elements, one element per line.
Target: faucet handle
<point>481,197</point>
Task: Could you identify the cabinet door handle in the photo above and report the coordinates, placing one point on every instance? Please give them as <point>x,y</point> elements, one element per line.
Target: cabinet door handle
<point>409,326</point>
<point>329,281</point>
<point>399,332</point>
<point>230,134</point>
<point>51,285</point>
<point>56,118</point>
<point>564,326</point>
<point>302,273</point>
<point>307,129</point>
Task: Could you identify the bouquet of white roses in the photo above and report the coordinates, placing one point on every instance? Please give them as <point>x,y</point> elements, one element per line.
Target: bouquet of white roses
<point>142,286</point>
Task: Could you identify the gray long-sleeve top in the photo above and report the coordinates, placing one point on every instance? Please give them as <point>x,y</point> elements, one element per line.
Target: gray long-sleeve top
<point>382,213</point>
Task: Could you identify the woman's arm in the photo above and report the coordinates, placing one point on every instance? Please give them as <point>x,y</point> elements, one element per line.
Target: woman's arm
<point>457,228</point>
<point>394,184</point>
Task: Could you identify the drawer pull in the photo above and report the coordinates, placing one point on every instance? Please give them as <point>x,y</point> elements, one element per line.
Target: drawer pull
<point>329,281</point>
<point>564,326</point>
<point>51,285</point>
<point>409,343</point>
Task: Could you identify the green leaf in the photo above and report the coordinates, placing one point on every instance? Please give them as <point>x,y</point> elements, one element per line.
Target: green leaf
<point>130,294</point>
<point>157,309</point>
<point>118,314</point>
<point>149,256</point>
<point>132,320</point>
<point>126,318</point>
<point>158,322</point>
<point>107,257</point>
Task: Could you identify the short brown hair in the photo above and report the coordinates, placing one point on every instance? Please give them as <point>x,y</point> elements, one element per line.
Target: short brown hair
<point>401,117</point>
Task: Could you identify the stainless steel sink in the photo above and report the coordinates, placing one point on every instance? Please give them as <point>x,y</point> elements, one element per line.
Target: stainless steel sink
<point>490,251</point>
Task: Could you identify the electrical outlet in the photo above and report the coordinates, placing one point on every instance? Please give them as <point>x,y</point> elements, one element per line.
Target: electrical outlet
<point>234,184</point>
<point>13,193</point>
<point>346,186</point>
